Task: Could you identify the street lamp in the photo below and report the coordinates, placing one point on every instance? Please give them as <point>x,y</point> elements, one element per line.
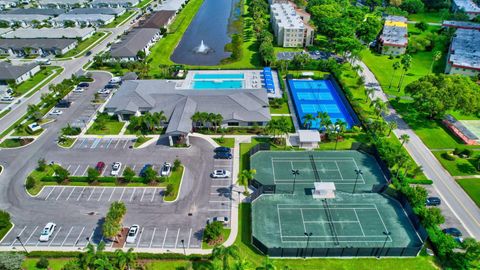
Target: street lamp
<point>295,173</point>
<point>21,243</point>
<point>387,235</point>
<point>358,172</point>
<point>183,245</point>
<point>308,235</point>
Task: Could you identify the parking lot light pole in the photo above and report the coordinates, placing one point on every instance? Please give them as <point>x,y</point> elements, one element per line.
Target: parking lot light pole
<point>387,234</point>
<point>295,173</point>
<point>21,243</point>
<point>358,172</point>
<point>308,235</point>
<point>183,245</point>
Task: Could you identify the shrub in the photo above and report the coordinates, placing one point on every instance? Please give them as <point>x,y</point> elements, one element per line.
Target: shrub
<point>4,219</point>
<point>213,231</point>
<point>42,165</point>
<point>176,164</point>
<point>467,153</point>
<point>168,190</point>
<point>447,156</point>
<point>418,181</point>
<point>62,174</point>
<point>92,175</point>
<point>128,174</point>
<point>30,182</point>
<point>150,175</point>
<point>457,151</point>
<point>42,263</point>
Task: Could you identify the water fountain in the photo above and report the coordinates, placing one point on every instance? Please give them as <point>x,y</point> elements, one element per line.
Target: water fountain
<point>203,49</point>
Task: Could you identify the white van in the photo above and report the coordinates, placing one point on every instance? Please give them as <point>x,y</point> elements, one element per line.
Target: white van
<point>44,61</point>
<point>33,127</point>
<point>116,80</point>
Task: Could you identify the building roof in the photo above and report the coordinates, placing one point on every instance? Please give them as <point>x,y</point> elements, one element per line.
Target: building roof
<point>465,49</point>
<point>84,17</point>
<point>49,33</point>
<point>17,43</point>
<point>159,19</point>
<point>129,76</point>
<point>171,5</point>
<point>395,31</point>
<point>39,11</point>
<point>179,105</point>
<point>308,136</point>
<point>461,24</point>
<point>285,16</point>
<point>12,72</point>
<point>467,5</point>
<point>131,2</point>
<point>108,11</point>
<point>60,2</point>
<point>133,42</point>
<point>23,17</point>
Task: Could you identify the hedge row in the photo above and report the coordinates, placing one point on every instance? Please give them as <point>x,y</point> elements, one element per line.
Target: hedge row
<point>140,255</point>
<point>84,179</point>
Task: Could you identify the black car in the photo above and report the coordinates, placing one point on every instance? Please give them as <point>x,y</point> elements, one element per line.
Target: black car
<point>88,53</point>
<point>453,232</point>
<point>111,86</point>
<point>433,201</point>
<point>63,104</point>
<point>222,149</point>
<point>83,84</point>
<point>223,155</point>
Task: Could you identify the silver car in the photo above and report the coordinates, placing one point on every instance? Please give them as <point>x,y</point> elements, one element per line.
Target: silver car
<point>132,234</point>
<point>221,174</point>
<point>47,232</point>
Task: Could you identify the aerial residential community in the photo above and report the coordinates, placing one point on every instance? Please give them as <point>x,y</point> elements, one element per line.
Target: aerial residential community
<point>239,134</point>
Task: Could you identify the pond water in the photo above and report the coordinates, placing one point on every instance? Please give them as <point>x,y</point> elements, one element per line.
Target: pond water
<point>210,25</point>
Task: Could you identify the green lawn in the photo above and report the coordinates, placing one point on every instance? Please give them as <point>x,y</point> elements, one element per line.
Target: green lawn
<point>38,175</point>
<point>68,142</point>
<point>284,109</point>
<point>111,128</point>
<point>472,187</point>
<point>289,122</point>
<point>175,179</point>
<point>429,17</point>
<point>119,19</point>
<point>143,3</point>
<point>5,230</point>
<point>459,166</point>
<point>85,44</point>
<point>3,113</point>
<point>11,143</point>
<point>141,140</point>
<point>226,142</point>
<point>225,234</point>
<point>31,83</point>
<point>346,143</point>
<point>54,264</point>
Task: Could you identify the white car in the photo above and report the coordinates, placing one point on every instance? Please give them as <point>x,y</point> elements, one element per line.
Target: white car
<point>7,98</point>
<point>221,174</point>
<point>56,112</point>
<point>47,232</point>
<point>223,220</point>
<point>116,168</point>
<point>132,234</point>
<point>78,90</point>
<point>116,80</point>
<point>104,91</point>
<point>166,169</point>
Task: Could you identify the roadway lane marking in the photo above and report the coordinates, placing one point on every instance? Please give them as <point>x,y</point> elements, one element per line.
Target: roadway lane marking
<point>55,236</point>
<point>78,238</point>
<point>117,144</point>
<point>93,191</point>
<point>189,237</point>
<point>165,237</point>
<point>176,240</point>
<point>121,196</point>
<point>144,189</point>
<point>60,193</point>
<point>73,189</point>
<point>140,237</point>
<point>46,198</point>
<point>113,191</point>
<point>75,172</point>
<point>153,194</point>
<point>153,236</point>
<point>20,234</point>
<point>26,242</point>
<point>80,195</point>
<point>68,234</point>
<point>101,195</point>
<point>133,193</point>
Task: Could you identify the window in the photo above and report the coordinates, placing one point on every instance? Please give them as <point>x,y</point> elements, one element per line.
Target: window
<point>233,124</point>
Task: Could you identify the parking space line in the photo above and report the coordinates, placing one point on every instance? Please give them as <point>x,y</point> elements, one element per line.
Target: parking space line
<point>133,193</point>
<point>144,189</point>
<point>116,144</point>
<point>140,237</point>
<point>108,144</point>
<point>134,165</point>
<point>101,195</point>
<point>95,143</point>
<point>78,238</point>
<point>73,189</point>
<point>66,237</point>
<point>80,195</point>
<point>189,237</point>
<point>153,194</point>
<point>68,168</point>
<point>81,144</point>
<point>55,236</point>
<point>113,191</point>
<point>176,240</point>
<point>85,172</point>
<point>46,198</point>
<point>60,193</point>
<point>153,236</point>
<point>75,172</point>
<point>220,186</point>
<point>93,191</point>
<point>26,242</point>
<point>121,196</point>
<point>90,237</point>
<point>165,237</point>
<point>125,145</point>
<point>20,234</point>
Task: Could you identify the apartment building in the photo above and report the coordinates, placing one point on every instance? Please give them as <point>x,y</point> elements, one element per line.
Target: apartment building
<point>288,26</point>
<point>464,53</point>
<point>467,6</point>
<point>394,37</point>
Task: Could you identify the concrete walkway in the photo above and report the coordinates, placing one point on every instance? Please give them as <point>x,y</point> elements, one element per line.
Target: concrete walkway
<point>454,197</point>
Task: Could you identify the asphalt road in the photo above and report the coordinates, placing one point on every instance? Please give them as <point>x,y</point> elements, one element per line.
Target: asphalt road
<point>458,208</point>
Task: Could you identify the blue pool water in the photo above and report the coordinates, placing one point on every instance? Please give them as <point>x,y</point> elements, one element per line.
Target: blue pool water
<point>312,97</point>
<point>200,76</point>
<point>221,84</point>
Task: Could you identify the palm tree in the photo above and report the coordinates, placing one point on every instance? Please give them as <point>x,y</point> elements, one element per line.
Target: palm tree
<point>323,117</point>
<point>340,127</point>
<point>102,264</point>
<point>217,121</point>
<point>379,106</point>
<point>124,260</point>
<point>368,92</point>
<point>396,65</point>
<point>196,118</point>
<point>391,125</point>
<point>267,265</point>
<point>242,264</point>
<point>224,253</point>
<point>272,127</point>
<point>245,176</point>
<point>406,64</point>
<point>404,138</point>
<point>437,55</point>
<point>308,118</point>
<point>159,118</point>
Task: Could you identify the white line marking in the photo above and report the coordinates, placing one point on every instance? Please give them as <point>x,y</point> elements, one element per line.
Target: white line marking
<point>68,234</point>
<point>153,194</point>
<point>359,223</point>
<point>26,242</point>
<point>117,143</point>
<point>144,189</point>
<point>303,221</point>
<point>153,236</point>
<point>101,194</point>
<point>108,144</point>
<point>68,168</point>
<point>55,236</point>
<point>133,193</point>
<point>125,145</point>
<point>60,193</point>
<point>93,191</point>
<point>20,234</point>
<point>165,237</point>
<point>176,240</point>
<point>75,172</point>
<point>112,194</point>
<point>140,237</point>
<point>80,195</point>
<point>85,172</point>
<point>189,237</point>
<point>76,241</point>
<point>46,198</point>
<point>123,191</point>
<point>73,189</point>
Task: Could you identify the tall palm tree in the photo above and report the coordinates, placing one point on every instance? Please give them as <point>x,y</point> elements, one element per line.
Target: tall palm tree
<point>102,264</point>
<point>160,117</point>
<point>217,121</point>
<point>272,127</point>
<point>124,260</point>
<point>196,118</point>
<point>308,118</point>
<point>204,118</point>
<point>406,64</point>
<point>396,65</point>
<point>379,106</point>
<point>245,176</point>
<point>404,138</point>
<point>437,55</point>
<point>322,117</point>
<point>340,127</point>
<point>224,253</point>
<point>391,125</point>
<point>368,92</point>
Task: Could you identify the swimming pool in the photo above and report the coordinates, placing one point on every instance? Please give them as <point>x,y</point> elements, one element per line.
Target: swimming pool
<point>200,76</point>
<point>314,96</point>
<point>217,84</point>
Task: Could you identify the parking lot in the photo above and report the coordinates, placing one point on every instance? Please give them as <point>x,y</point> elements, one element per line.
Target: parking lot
<point>80,168</point>
<point>102,194</point>
<point>103,143</point>
<point>220,190</point>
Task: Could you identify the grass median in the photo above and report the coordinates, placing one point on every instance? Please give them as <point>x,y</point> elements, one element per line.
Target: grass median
<point>84,45</point>
<point>118,21</point>
<point>174,182</point>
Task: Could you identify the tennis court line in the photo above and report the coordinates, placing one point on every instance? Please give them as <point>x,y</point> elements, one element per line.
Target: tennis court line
<point>384,226</point>
<point>359,223</point>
